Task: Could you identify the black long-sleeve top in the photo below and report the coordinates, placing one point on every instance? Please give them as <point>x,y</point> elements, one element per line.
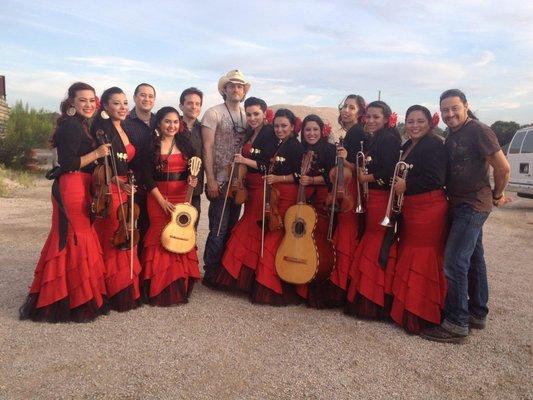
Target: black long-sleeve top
<point>72,143</point>
<point>352,141</point>
<point>324,159</point>
<point>263,148</point>
<point>384,151</point>
<point>288,158</point>
<point>429,161</point>
<point>118,149</point>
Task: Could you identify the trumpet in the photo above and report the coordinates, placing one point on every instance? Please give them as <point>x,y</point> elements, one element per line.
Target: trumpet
<point>394,205</point>
<point>362,188</point>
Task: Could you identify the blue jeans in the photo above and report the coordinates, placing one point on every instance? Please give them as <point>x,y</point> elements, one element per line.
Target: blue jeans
<point>215,244</point>
<point>465,269</point>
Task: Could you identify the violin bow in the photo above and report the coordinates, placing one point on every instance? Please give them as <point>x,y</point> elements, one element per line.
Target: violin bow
<point>226,197</point>
<point>264,214</point>
<point>131,224</point>
<point>335,189</point>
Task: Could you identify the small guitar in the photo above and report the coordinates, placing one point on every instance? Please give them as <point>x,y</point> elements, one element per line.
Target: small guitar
<point>299,257</point>
<point>179,235</point>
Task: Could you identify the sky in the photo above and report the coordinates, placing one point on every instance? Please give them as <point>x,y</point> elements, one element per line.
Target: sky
<point>293,52</point>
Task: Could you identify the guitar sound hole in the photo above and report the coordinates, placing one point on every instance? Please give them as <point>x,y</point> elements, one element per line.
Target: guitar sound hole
<point>299,228</point>
<point>183,219</point>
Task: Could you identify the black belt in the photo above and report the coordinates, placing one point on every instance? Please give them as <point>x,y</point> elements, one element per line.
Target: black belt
<point>171,176</point>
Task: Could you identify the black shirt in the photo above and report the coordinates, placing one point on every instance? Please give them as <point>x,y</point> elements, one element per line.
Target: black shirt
<point>118,150</point>
<point>195,136</point>
<point>72,142</point>
<point>324,159</point>
<point>352,141</point>
<point>384,151</point>
<point>288,158</point>
<point>429,160</point>
<point>263,148</point>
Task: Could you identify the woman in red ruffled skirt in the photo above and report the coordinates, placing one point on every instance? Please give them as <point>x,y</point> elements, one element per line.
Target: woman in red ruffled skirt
<point>69,278</point>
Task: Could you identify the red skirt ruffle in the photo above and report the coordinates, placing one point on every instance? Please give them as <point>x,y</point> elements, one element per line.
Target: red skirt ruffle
<point>69,283</point>
<point>123,290</point>
<point>370,285</point>
<point>243,248</point>
<point>268,287</point>
<point>167,278</point>
<point>419,285</point>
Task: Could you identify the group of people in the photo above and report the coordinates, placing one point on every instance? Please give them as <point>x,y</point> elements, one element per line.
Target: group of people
<point>424,269</point>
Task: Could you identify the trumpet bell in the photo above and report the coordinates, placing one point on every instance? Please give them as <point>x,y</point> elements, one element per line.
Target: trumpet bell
<point>386,221</point>
<point>359,209</point>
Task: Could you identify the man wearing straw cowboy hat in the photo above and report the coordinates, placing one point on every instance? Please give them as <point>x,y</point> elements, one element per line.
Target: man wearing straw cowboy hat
<point>223,128</point>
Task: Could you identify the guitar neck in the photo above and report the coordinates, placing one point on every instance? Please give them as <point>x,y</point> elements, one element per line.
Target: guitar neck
<point>190,192</point>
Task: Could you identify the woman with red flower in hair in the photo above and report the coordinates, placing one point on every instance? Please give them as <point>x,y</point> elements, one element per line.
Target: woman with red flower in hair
<point>243,248</point>
<point>372,270</point>
<point>69,278</point>
<point>167,278</point>
<point>419,285</point>
<point>349,225</point>
<point>317,185</point>
<point>283,176</point>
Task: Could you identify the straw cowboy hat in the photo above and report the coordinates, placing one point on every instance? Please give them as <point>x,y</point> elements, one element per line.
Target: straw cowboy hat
<point>234,76</point>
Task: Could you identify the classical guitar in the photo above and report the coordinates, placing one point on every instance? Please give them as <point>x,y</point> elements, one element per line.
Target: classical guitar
<point>300,258</point>
<point>179,235</point>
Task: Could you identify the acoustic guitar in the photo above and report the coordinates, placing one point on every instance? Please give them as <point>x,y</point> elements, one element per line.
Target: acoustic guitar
<point>179,235</point>
<point>300,257</point>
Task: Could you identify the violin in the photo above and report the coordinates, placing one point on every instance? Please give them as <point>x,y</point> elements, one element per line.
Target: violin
<point>341,198</point>
<point>101,181</point>
<point>270,204</point>
<point>127,235</point>
<point>237,187</point>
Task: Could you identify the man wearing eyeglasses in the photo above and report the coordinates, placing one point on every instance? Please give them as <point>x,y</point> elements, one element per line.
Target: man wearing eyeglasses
<point>223,128</point>
<point>138,125</point>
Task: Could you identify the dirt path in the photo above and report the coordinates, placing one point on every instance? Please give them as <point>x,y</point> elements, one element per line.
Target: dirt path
<point>221,346</point>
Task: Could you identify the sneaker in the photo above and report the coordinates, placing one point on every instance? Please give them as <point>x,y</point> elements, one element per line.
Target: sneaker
<point>477,323</point>
<point>439,334</point>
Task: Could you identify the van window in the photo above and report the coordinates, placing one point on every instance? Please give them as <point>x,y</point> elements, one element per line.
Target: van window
<point>527,146</point>
<point>517,142</point>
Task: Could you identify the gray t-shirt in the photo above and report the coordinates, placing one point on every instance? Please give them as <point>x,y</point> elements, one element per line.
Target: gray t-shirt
<point>229,137</point>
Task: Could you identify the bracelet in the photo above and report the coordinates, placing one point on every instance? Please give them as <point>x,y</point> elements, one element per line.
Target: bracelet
<point>497,197</point>
<point>284,178</point>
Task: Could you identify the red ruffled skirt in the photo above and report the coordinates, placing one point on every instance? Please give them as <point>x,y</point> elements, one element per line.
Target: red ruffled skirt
<point>419,285</point>
<point>122,289</point>
<point>69,283</point>
<point>268,287</point>
<point>370,287</point>
<point>243,248</point>
<point>167,278</point>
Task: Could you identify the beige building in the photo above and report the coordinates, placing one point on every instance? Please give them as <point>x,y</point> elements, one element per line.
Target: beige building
<point>4,109</point>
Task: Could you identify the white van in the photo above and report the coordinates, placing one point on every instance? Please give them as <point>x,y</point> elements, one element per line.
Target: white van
<point>520,156</point>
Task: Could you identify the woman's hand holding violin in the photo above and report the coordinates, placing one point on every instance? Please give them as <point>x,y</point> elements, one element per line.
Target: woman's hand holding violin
<point>102,150</point>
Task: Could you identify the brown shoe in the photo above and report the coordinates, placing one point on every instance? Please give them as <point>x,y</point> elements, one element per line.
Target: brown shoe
<point>439,334</point>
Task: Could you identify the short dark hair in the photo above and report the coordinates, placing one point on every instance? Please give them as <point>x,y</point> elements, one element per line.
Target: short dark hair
<point>140,85</point>
<point>254,101</point>
<point>191,90</point>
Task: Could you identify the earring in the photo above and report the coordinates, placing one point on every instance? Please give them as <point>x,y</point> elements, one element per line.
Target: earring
<point>104,114</point>
<point>71,111</point>
<point>157,134</point>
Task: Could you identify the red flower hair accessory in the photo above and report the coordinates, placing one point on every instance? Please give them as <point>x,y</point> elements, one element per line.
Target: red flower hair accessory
<point>269,114</point>
<point>435,120</point>
<point>326,131</point>
<point>393,119</point>
<point>297,125</point>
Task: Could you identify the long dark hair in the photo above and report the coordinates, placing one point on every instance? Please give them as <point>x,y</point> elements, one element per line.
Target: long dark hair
<point>387,112</point>
<point>361,106</point>
<point>312,118</point>
<point>66,104</point>
<point>462,97</point>
<point>181,141</point>
<point>295,122</point>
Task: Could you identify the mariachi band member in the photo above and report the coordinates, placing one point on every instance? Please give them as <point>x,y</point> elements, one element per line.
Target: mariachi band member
<point>419,285</point>
<point>167,278</point>
<point>69,278</point>
<point>317,185</point>
<point>283,177</point>
<point>372,268</point>
<point>122,281</point>
<point>349,224</point>
<point>243,248</point>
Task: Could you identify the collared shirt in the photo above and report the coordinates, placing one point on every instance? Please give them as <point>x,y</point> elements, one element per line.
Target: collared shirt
<point>140,135</point>
<point>195,136</point>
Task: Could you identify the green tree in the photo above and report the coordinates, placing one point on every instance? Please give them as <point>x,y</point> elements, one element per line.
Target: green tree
<point>504,130</point>
<point>26,129</point>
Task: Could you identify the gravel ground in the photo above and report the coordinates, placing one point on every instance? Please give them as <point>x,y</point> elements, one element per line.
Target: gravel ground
<point>221,346</point>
